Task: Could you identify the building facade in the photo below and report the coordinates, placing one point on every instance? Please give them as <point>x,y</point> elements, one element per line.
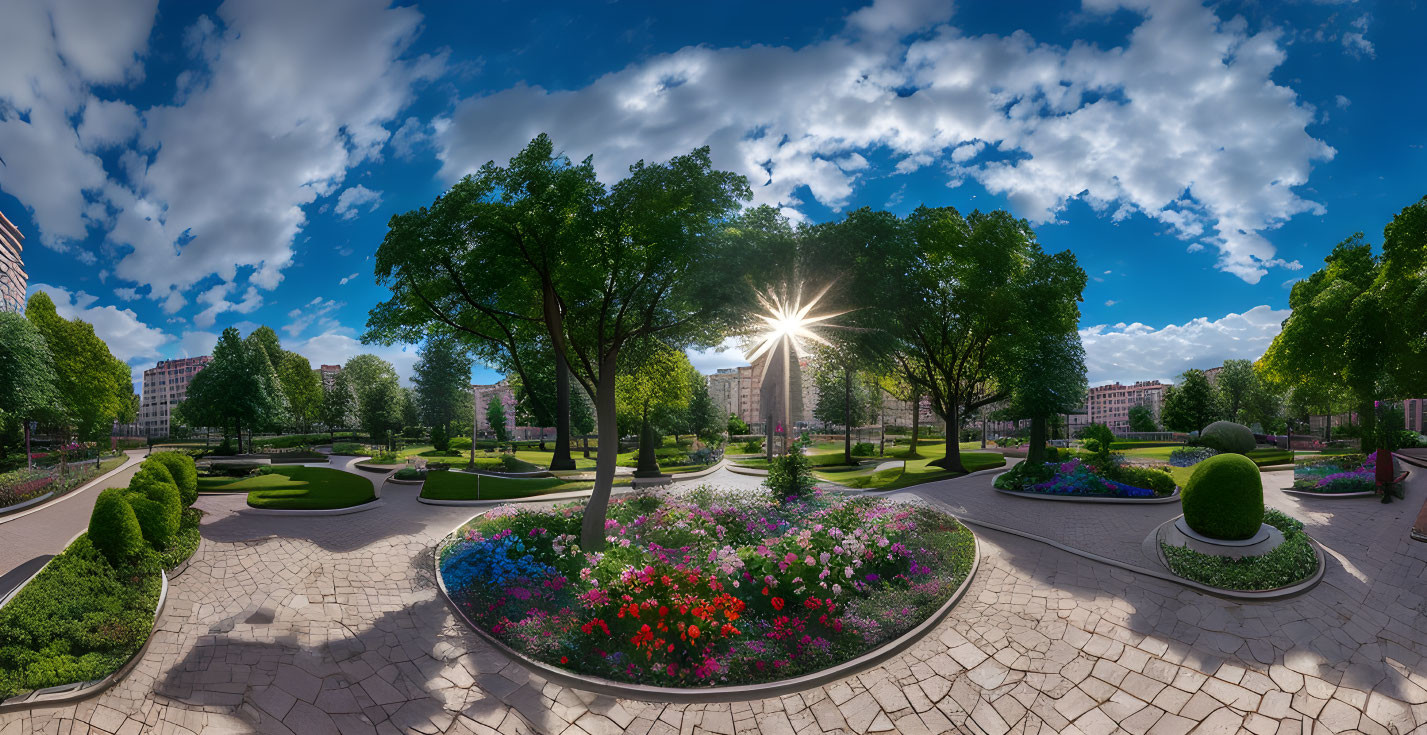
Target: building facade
<point>329,375</point>
<point>166,385</point>
<point>1413,410</point>
<point>724,391</point>
<point>13,279</point>
<point>1110,404</point>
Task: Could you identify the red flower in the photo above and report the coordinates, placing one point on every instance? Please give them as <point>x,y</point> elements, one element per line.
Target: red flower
<point>564,659</point>
<point>777,603</point>
<point>693,631</point>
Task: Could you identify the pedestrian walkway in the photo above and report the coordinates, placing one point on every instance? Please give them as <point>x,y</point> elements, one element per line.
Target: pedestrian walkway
<point>334,625</point>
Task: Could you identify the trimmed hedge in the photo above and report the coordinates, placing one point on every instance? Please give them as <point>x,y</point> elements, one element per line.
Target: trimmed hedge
<point>114,529</point>
<point>1224,498</point>
<point>1227,436</point>
<point>183,472</point>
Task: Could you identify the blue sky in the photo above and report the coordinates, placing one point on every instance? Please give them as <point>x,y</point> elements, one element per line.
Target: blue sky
<point>183,167</point>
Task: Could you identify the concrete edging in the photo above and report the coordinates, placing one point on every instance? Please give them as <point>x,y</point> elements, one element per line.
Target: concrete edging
<point>741,470</point>
<point>32,502</point>
<point>16,513</point>
<point>1171,498</point>
<point>395,481</point>
<point>1277,593</point>
<point>370,504</point>
<point>675,695</point>
<point>66,693</point>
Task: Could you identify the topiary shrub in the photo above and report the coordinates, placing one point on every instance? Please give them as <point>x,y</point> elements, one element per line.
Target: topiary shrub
<point>183,472</point>
<point>440,438</point>
<point>1224,498</point>
<point>156,502</point>
<point>114,529</point>
<point>1227,436</point>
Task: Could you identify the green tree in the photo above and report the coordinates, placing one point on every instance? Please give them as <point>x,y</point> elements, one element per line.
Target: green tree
<point>364,372</point>
<point>847,395</point>
<point>443,381</point>
<point>1049,379</point>
<point>1142,419</point>
<point>650,395</point>
<point>338,404</point>
<point>536,388</point>
<point>238,389</point>
<point>28,383</point>
<point>704,419</point>
<point>302,386</point>
<point>495,417</point>
<point>1190,405</point>
<point>265,353</point>
<point>380,405</point>
<point>94,386</point>
<point>736,425</point>
<point>1402,281</point>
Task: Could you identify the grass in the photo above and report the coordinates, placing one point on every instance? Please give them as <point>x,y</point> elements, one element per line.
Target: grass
<point>1291,562</point>
<point>539,459</point>
<point>304,488</point>
<point>464,485</point>
<point>914,471</point>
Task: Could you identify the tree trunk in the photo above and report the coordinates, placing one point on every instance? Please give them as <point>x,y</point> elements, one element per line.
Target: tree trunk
<point>847,416</point>
<point>916,424</point>
<point>648,462</point>
<point>952,460</point>
<point>587,446</point>
<point>562,459</point>
<point>592,525</point>
<point>1036,453</point>
<point>1367,426</point>
<point>542,441</point>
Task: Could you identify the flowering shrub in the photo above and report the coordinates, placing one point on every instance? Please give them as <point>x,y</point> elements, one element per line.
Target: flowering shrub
<point>1346,473</point>
<point>1190,456</point>
<point>1097,477</point>
<point>707,587</point>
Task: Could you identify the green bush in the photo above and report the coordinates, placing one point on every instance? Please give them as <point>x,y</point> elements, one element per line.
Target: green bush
<point>754,445</point>
<point>1098,432</point>
<point>1224,498</point>
<point>157,503</point>
<point>184,473</point>
<point>1146,477</point>
<point>409,473</point>
<point>863,449</point>
<point>440,438</point>
<point>114,529</point>
<point>1227,436</point>
<point>348,448</point>
<point>790,475</point>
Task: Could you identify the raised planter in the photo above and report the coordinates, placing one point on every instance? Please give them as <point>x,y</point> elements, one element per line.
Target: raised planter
<point>1171,498</point>
<point>378,468</point>
<point>314,511</point>
<point>677,695</point>
<point>32,502</point>
<point>1278,593</point>
<point>66,693</point>
<point>416,483</point>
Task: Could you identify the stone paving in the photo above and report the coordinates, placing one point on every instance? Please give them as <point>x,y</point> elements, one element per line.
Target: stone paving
<point>334,625</point>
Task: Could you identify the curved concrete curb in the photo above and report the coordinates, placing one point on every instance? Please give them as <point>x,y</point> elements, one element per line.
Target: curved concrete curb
<point>66,693</point>
<point>395,481</point>
<point>1311,494</point>
<point>517,475</point>
<point>377,469</point>
<point>717,694</point>
<point>1171,498</point>
<point>32,502</point>
<point>741,470</point>
<point>16,514</point>
<point>1278,593</point>
<point>317,512</point>
<point>574,495</point>
<point>681,476</point>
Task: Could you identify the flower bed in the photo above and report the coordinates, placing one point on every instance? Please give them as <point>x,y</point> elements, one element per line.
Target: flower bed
<point>708,588</point>
<point>1335,475</point>
<point>1190,456</point>
<point>20,485</point>
<point>1291,562</point>
<point>1076,477</point>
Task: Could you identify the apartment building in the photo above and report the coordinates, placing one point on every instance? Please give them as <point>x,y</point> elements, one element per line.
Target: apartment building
<point>13,279</point>
<point>329,375</point>
<point>1413,410</point>
<point>1110,404</point>
<point>724,390</point>
<point>166,385</point>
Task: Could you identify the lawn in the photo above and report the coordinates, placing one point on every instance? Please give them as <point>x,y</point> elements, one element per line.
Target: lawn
<point>915,472</point>
<point>300,488</point>
<point>466,485</point>
<point>541,460</point>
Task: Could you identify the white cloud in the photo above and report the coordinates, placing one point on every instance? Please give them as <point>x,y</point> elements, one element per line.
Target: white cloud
<point>335,349</point>
<point>197,344</point>
<point>128,338</point>
<point>127,294</point>
<point>727,355</point>
<point>352,199</point>
<point>1356,41</point>
<point>218,303</point>
<point>1111,302</point>
<point>317,310</point>
<point>107,123</point>
<point>1182,123</point>
<point>1129,352</point>
<point>346,278</point>
<point>411,136</point>
<point>1342,102</point>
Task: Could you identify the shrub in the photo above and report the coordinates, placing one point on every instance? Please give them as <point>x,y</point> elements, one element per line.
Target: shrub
<point>225,449</point>
<point>1227,436</point>
<point>1190,456</point>
<point>184,473</point>
<point>790,475</point>
<point>863,449</point>
<point>1224,498</point>
<point>1098,432</point>
<point>409,473</point>
<point>1147,477</point>
<point>233,469</point>
<point>113,527</point>
<point>385,456</point>
<point>348,448</point>
<point>156,502</point>
<point>440,438</point>
<point>462,443</point>
<point>754,445</point>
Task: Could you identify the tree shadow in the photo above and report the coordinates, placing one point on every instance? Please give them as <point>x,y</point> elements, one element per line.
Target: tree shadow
<point>22,571</point>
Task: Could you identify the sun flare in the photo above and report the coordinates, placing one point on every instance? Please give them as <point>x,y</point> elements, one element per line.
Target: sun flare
<point>788,319</point>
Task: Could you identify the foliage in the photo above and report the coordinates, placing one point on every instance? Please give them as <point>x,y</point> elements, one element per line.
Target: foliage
<point>760,589</point>
<point>1224,498</point>
<point>1246,397</point>
<point>495,418</point>
<point>379,406</point>
<point>1190,405</point>
<point>1228,437</point>
<point>701,417</point>
<point>754,445</point>
<point>409,473</point>
<point>183,472</point>
<point>1190,456</point>
<point>29,386</point>
<point>1098,438</point>
<point>113,527</point>
<point>1142,419</point>
<point>355,449</point>
<point>864,449</point>
<point>1048,378</point>
<point>442,377</point>
<point>79,620</point>
<point>157,503</point>
<point>1343,473</point>
<point>440,440</point>
<point>656,390</point>
<point>339,404</point>
<point>302,387</point>
<point>790,476</point>
<point>306,488</point>
<point>1291,562</point>
<point>736,426</point>
<point>1086,478</point>
<point>95,388</point>
<point>237,389</point>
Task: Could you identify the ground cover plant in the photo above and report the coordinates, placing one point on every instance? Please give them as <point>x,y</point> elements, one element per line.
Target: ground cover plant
<point>305,488</point>
<point>1096,473</point>
<point>1336,474</point>
<point>1289,563</point>
<point>709,587</point>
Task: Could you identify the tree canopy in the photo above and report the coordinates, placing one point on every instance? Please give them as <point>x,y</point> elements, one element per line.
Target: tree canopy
<point>442,376</point>
<point>94,386</point>
<point>1191,404</point>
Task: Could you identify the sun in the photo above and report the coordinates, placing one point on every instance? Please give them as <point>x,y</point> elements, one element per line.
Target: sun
<point>788,320</point>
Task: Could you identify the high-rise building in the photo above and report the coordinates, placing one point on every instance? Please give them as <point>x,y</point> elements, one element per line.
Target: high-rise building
<point>166,385</point>
<point>13,279</point>
<point>1110,404</point>
<point>724,391</point>
<point>329,375</point>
